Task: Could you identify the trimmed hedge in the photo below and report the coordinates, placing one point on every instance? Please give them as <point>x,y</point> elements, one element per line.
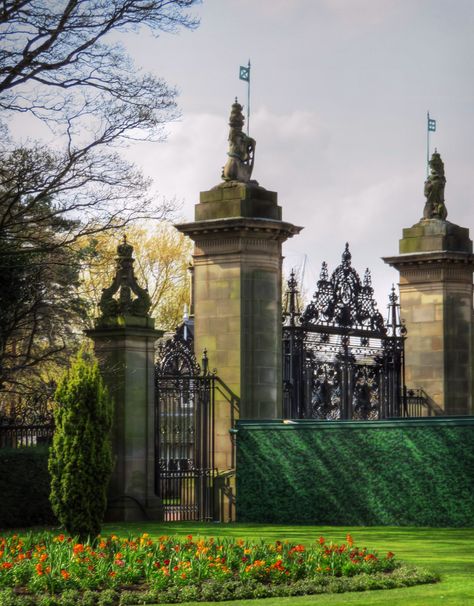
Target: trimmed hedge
<point>24,487</point>
<point>408,472</point>
<point>223,590</point>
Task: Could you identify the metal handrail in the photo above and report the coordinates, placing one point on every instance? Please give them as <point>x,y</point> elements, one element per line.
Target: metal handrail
<point>420,404</point>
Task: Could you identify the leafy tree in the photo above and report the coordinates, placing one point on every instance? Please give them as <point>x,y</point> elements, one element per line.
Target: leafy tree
<point>162,258</point>
<point>41,310</point>
<point>80,461</point>
<point>61,64</point>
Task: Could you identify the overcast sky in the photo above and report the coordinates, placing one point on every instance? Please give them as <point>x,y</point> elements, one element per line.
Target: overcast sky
<point>340,90</point>
<point>339,95</point>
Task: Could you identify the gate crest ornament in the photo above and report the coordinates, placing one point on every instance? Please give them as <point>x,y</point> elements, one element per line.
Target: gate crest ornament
<point>343,301</point>
<point>176,356</point>
<point>340,360</point>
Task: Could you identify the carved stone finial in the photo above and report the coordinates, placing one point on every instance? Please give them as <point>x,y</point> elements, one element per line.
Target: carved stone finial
<point>434,190</point>
<point>125,250</point>
<point>124,283</point>
<point>241,152</point>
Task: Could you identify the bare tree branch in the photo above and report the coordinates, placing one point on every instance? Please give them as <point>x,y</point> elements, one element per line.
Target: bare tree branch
<point>60,63</point>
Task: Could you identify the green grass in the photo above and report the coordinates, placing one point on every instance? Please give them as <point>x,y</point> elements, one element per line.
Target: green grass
<point>450,552</point>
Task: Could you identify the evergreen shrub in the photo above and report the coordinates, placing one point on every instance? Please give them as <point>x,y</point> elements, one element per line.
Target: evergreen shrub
<point>80,461</point>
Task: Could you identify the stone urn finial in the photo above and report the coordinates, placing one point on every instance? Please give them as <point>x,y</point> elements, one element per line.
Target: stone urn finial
<point>434,190</point>
<point>125,284</point>
<point>241,152</point>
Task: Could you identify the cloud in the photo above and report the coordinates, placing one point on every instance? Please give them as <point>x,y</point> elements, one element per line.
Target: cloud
<point>191,159</point>
<point>276,8</point>
<point>296,125</point>
<point>362,12</point>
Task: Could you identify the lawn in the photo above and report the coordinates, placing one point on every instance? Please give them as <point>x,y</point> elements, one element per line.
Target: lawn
<point>450,552</point>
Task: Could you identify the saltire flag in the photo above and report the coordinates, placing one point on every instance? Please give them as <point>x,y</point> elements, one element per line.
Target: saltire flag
<point>431,125</point>
<point>244,73</point>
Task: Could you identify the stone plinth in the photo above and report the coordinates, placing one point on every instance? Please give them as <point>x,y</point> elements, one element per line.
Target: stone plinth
<point>125,349</point>
<point>436,266</point>
<point>238,235</point>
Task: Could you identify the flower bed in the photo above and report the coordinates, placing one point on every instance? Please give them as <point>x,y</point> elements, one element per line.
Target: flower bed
<point>48,570</point>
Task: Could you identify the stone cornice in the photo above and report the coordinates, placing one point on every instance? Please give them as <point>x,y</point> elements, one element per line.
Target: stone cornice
<point>439,257</point>
<point>242,227</point>
<point>119,332</point>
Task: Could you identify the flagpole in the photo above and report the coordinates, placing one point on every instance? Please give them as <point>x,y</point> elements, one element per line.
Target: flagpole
<point>427,144</point>
<point>248,102</point>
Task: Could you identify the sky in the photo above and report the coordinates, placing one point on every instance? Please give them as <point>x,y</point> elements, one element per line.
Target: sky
<point>339,95</point>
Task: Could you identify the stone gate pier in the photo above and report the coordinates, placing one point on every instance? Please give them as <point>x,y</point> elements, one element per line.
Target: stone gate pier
<point>436,301</point>
<point>124,342</point>
<point>238,234</point>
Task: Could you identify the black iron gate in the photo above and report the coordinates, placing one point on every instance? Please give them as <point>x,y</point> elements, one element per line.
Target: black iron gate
<point>184,432</point>
<point>340,360</point>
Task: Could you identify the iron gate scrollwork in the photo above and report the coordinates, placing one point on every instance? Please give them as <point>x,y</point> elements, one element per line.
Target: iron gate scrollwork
<point>340,360</point>
<point>26,420</point>
<point>184,432</point>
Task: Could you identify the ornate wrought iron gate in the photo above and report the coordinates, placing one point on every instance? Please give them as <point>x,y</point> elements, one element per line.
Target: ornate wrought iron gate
<point>184,433</point>
<point>340,361</point>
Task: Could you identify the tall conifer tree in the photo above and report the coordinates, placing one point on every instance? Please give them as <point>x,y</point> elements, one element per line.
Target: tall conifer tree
<point>80,461</point>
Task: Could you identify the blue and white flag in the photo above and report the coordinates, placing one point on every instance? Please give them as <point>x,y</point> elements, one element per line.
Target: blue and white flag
<point>244,73</point>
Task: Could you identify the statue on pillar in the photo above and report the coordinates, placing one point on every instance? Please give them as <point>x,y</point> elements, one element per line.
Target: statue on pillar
<point>241,152</point>
<point>124,283</point>
<point>434,190</point>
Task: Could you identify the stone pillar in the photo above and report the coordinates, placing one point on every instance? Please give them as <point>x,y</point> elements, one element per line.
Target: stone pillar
<point>238,233</point>
<point>124,339</point>
<point>436,294</point>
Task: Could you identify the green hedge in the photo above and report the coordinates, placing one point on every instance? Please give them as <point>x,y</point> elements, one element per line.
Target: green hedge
<point>24,487</point>
<point>408,473</point>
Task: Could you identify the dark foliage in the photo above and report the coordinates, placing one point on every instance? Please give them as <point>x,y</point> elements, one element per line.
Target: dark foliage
<point>24,487</point>
<point>40,309</point>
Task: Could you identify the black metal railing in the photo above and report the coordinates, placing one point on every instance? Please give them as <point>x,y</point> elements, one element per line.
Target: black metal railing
<point>26,421</point>
<point>419,404</point>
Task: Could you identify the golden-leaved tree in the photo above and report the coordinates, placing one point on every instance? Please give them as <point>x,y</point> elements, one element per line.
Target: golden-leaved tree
<point>162,259</point>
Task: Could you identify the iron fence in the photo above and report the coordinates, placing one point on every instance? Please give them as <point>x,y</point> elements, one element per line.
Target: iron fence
<point>26,421</point>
